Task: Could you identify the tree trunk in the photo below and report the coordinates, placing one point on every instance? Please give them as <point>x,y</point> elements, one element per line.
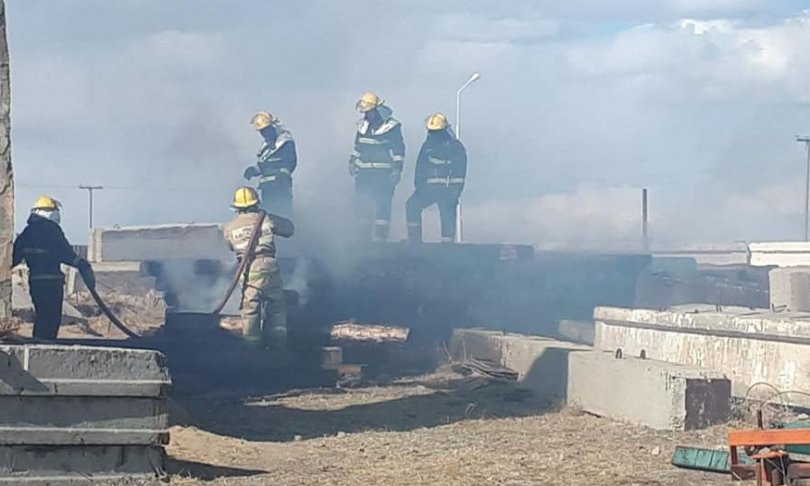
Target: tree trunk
<point>6,174</point>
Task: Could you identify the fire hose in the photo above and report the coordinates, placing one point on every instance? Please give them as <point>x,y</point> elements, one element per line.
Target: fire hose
<point>107,312</point>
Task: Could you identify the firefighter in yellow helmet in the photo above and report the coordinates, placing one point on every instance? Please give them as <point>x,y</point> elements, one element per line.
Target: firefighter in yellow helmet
<point>276,162</point>
<point>441,169</point>
<point>44,248</point>
<point>264,310</point>
<point>376,165</point>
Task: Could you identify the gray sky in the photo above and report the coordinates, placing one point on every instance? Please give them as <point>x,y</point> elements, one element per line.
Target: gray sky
<point>580,104</point>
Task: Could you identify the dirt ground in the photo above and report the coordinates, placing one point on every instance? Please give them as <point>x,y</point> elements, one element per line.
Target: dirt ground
<point>439,429</point>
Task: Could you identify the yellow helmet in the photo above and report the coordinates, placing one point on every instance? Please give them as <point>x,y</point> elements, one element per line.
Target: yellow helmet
<point>46,202</point>
<point>245,197</point>
<point>368,102</point>
<point>261,120</point>
<point>437,121</point>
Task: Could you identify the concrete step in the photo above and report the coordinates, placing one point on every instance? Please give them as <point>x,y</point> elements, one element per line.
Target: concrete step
<point>75,465</point>
<point>60,420</point>
<point>50,369</point>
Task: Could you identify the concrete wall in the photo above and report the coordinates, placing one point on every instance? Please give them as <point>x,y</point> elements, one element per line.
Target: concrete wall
<point>160,242</point>
<point>6,175</point>
<point>748,346</point>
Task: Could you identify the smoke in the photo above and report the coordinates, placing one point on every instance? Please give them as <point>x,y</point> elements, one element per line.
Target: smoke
<point>578,107</point>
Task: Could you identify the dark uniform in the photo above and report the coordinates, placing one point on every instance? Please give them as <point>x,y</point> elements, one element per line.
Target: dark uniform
<point>277,161</point>
<point>376,164</point>
<point>439,179</point>
<point>43,246</point>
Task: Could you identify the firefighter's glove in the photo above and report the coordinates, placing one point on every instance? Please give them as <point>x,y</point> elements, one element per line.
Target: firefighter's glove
<point>252,172</point>
<point>396,176</point>
<point>86,271</point>
<point>352,167</point>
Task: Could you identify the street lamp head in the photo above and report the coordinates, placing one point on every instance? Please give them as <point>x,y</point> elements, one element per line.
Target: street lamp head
<point>475,77</point>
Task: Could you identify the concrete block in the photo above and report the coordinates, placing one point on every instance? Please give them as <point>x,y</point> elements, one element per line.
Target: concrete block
<point>659,395</point>
<point>59,420</point>
<point>78,465</point>
<point>790,289</point>
<point>140,243</point>
<point>652,393</point>
<point>747,346</point>
<point>541,363</point>
<point>50,369</point>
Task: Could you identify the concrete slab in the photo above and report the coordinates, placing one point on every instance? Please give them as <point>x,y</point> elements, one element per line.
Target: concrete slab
<point>161,242</point>
<point>780,253</point>
<point>660,395</point>
<point>58,420</point>
<point>684,397</point>
<point>74,465</point>
<point>790,289</point>
<point>747,346</point>
<point>50,369</point>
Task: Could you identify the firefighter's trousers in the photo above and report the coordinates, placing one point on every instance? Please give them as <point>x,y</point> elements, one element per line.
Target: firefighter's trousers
<point>264,308</point>
<point>47,295</point>
<point>277,196</point>
<point>374,191</point>
<point>446,198</point>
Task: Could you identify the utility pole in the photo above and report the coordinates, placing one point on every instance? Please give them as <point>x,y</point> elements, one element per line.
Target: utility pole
<point>645,241</point>
<point>806,142</point>
<point>90,190</point>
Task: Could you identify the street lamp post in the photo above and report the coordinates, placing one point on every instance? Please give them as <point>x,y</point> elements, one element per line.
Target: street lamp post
<point>459,218</point>
<point>806,141</point>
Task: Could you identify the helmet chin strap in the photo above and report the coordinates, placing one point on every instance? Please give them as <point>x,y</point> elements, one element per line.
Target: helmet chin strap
<point>51,214</point>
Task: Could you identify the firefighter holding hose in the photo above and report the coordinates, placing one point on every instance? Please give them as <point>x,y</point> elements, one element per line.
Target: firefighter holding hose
<point>264,310</point>
<point>43,247</point>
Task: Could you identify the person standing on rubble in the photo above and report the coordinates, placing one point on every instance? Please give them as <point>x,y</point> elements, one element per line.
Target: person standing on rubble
<point>43,247</point>
<point>376,165</point>
<point>441,169</point>
<point>264,309</point>
<point>276,163</point>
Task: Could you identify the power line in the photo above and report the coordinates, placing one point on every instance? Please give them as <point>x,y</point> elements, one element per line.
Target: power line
<point>125,188</point>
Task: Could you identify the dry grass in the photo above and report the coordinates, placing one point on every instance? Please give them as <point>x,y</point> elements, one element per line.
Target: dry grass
<point>436,430</point>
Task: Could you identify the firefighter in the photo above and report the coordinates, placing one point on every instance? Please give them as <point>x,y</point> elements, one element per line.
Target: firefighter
<point>439,179</point>
<point>376,165</point>
<point>264,310</point>
<point>276,163</point>
<point>43,247</point>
